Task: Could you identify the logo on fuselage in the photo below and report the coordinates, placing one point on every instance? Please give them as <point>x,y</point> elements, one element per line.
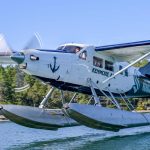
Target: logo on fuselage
<point>104,73</point>
<point>53,67</point>
<point>136,85</point>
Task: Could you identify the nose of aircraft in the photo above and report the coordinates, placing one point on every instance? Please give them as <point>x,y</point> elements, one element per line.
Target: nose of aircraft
<point>18,57</point>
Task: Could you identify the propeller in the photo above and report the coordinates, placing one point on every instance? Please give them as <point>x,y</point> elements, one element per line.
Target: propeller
<point>34,43</point>
<point>9,56</point>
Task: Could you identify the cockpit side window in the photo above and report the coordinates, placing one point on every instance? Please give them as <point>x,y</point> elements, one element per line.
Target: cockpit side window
<point>83,55</point>
<point>70,49</point>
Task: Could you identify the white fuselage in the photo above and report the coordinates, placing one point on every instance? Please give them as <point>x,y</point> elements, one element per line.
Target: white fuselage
<point>73,68</point>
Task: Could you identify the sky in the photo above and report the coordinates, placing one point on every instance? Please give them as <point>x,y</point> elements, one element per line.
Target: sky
<point>93,22</point>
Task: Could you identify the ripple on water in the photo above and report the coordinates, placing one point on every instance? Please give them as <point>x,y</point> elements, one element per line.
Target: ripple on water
<point>15,137</point>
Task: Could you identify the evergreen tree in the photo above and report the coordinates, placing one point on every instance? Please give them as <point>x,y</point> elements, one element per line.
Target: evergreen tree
<point>8,75</point>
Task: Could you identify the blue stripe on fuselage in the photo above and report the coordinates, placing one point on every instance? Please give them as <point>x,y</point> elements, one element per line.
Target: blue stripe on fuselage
<point>47,50</point>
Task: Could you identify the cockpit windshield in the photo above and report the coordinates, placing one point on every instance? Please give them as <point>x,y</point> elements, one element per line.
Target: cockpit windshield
<point>70,48</point>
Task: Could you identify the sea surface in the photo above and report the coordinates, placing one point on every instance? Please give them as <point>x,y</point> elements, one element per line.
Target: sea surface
<point>16,137</point>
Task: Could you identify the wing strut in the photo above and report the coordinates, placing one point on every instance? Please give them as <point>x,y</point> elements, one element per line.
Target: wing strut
<point>96,98</point>
<point>125,68</point>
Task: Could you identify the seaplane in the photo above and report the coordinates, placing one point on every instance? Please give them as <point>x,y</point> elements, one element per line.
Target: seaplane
<point>99,71</point>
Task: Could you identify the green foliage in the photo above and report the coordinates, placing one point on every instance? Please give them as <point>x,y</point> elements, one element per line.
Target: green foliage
<point>8,83</point>
<point>34,95</point>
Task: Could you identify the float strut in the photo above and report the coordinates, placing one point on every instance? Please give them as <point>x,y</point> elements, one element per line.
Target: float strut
<point>44,101</point>
<point>96,98</point>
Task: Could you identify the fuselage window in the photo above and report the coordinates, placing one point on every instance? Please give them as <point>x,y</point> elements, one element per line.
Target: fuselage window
<point>109,65</point>
<point>120,67</point>
<point>83,55</point>
<point>126,72</point>
<point>98,62</point>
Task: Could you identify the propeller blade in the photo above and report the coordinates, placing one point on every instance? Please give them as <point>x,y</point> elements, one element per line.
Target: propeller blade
<point>5,51</point>
<point>35,42</point>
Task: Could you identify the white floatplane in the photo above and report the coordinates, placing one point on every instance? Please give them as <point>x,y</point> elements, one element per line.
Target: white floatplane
<point>97,71</point>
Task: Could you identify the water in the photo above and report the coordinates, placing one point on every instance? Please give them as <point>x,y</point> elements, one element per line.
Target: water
<point>15,137</point>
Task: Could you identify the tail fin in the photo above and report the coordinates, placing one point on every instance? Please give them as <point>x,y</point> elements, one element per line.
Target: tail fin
<point>145,70</point>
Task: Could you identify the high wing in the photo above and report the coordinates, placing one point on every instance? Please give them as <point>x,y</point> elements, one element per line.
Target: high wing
<point>126,51</point>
